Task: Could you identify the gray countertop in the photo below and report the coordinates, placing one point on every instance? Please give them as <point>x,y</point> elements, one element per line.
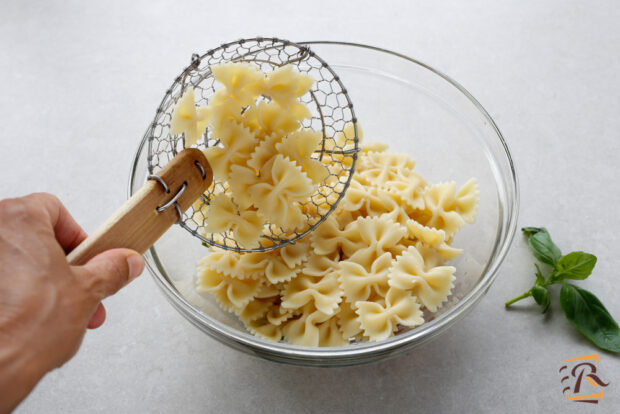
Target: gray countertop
<point>80,82</point>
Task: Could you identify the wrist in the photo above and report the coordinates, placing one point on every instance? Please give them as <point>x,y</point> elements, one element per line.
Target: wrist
<point>20,371</point>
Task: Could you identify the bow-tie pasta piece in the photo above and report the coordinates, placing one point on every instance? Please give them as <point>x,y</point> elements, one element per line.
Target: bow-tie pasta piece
<point>222,108</point>
<point>431,256</point>
<point>304,330</point>
<point>256,309</point>
<point>299,147</point>
<point>226,264</point>
<point>356,196</point>
<point>264,151</point>
<point>410,187</point>
<point>348,321</point>
<point>269,289</point>
<point>248,227</point>
<point>277,314</point>
<point>358,284</point>
<point>344,217</point>
<point>188,119</point>
<point>320,265</point>
<point>379,175</point>
<point>295,254</point>
<point>327,238</point>
<point>390,206</point>
<point>223,215</point>
<point>373,202</point>
<point>369,238</point>
<point>426,235</point>
<point>251,263</point>
<point>269,118</point>
<point>388,161</point>
<point>440,209</point>
<point>329,333</point>
<point>381,321</point>
<point>447,252</point>
<point>231,293</point>
<point>278,196</point>
<point>240,80</point>
<point>262,328</point>
<point>467,199</point>
<point>240,180</point>
<point>285,85</point>
<point>238,144</point>
<point>432,287</point>
<point>272,266</point>
<point>278,272</point>
<point>323,291</point>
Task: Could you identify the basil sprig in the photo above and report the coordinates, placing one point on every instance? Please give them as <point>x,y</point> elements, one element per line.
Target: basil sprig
<point>582,308</point>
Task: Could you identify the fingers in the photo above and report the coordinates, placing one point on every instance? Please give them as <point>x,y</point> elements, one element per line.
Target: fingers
<point>98,318</point>
<point>106,273</point>
<point>68,233</point>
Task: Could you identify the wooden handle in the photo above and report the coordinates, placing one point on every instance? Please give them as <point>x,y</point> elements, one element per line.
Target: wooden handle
<point>138,224</point>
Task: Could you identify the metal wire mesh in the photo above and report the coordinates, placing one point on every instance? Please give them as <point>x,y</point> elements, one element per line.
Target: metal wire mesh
<point>331,111</point>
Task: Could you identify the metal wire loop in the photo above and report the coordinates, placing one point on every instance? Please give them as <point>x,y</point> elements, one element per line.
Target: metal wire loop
<point>160,181</point>
<point>203,174</point>
<point>173,200</point>
<point>179,213</point>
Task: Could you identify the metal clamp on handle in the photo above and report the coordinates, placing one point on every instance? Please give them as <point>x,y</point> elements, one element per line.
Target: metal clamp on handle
<point>173,200</point>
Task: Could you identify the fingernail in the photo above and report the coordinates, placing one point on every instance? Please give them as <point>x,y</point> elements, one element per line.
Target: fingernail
<point>136,265</point>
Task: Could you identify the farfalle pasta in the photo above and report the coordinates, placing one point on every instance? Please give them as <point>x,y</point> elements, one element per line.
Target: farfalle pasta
<point>381,320</point>
<point>223,215</point>
<point>431,286</point>
<point>374,267</point>
<point>324,292</point>
<point>262,155</point>
<point>189,120</point>
<point>360,284</point>
<point>278,193</point>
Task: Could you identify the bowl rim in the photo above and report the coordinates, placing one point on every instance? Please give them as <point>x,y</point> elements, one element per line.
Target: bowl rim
<point>359,352</point>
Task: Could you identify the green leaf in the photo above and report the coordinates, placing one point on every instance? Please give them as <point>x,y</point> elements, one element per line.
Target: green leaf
<point>575,265</point>
<point>541,296</point>
<point>588,315</point>
<point>543,248</point>
<point>529,231</point>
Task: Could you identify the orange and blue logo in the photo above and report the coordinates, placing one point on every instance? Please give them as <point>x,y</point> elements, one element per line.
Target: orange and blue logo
<point>581,381</point>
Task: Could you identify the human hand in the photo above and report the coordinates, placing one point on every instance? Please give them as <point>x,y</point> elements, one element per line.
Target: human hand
<point>46,305</point>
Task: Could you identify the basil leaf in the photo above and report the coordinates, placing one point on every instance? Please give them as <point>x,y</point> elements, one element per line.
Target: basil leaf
<point>530,231</point>
<point>541,296</point>
<point>588,315</point>
<point>543,248</point>
<point>575,265</point>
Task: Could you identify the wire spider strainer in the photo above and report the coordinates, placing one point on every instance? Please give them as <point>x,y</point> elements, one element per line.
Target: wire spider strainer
<point>331,110</point>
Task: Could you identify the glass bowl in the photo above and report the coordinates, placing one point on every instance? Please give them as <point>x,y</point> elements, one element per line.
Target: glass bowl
<point>415,109</point>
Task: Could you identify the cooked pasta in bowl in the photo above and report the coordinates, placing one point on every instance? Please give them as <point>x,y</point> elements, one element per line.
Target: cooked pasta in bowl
<point>415,242</point>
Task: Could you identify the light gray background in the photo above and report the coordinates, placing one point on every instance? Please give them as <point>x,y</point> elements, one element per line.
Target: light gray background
<point>79,84</point>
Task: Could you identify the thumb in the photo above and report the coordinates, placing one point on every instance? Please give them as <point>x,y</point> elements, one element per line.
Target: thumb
<point>106,273</point>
